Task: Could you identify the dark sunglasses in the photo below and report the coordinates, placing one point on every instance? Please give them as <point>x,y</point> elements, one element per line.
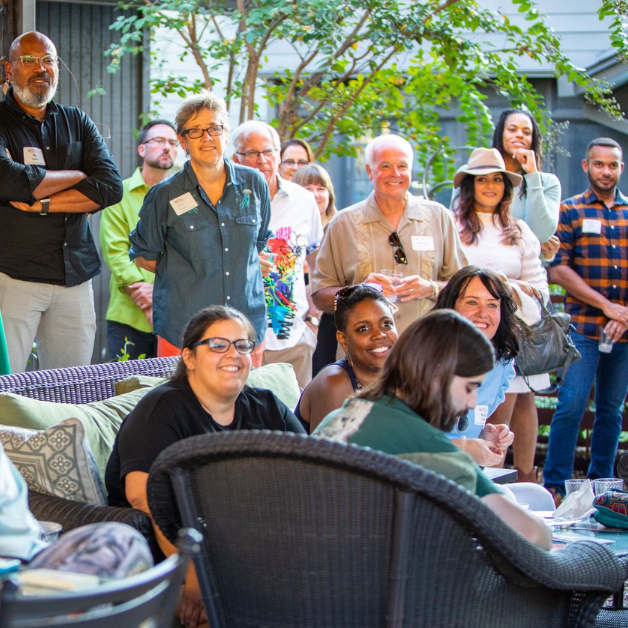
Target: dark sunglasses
<point>222,345</point>
<point>400,253</point>
<point>345,293</point>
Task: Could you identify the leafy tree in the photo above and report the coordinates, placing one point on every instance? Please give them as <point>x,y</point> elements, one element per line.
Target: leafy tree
<point>359,64</point>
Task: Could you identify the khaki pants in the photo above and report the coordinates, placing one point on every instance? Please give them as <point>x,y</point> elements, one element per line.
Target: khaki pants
<point>300,356</point>
<point>62,321</point>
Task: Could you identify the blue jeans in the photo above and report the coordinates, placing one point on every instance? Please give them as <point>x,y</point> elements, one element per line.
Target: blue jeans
<point>609,372</point>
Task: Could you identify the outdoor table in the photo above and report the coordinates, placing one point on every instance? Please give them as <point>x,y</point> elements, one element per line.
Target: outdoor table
<point>501,476</point>
<point>590,529</point>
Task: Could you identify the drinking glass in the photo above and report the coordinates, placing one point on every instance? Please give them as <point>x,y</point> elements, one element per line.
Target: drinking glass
<point>607,484</point>
<point>396,279</point>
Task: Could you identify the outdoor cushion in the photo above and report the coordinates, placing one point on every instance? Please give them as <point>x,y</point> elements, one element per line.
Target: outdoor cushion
<point>57,461</point>
<point>101,419</point>
<point>279,378</point>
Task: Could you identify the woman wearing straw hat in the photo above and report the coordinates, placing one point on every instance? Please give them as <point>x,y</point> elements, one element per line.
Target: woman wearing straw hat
<point>493,239</point>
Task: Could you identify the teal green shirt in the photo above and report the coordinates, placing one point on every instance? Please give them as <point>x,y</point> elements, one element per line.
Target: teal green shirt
<point>116,222</point>
<point>389,425</point>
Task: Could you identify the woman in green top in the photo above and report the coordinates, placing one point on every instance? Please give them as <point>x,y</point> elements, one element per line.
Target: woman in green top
<point>430,379</point>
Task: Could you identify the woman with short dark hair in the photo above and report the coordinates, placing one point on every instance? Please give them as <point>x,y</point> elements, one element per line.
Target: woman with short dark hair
<point>366,331</point>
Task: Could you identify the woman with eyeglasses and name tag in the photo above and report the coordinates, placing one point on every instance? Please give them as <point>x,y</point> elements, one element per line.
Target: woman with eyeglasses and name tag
<point>207,394</point>
<point>201,230</point>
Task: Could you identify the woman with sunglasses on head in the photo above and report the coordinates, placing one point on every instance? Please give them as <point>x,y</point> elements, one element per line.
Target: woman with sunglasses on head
<point>294,154</point>
<point>202,229</point>
<point>480,296</point>
<point>493,239</point>
<point>429,380</point>
<point>207,394</point>
<point>366,331</point>
<point>536,200</point>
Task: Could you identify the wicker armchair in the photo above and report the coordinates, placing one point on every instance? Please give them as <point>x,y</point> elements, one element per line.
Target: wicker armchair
<point>304,532</point>
<point>82,384</point>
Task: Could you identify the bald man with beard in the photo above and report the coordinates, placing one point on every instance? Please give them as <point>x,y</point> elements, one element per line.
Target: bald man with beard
<point>55,169</point>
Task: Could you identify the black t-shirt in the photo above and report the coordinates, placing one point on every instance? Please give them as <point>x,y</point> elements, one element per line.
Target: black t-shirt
<point>170,413</point>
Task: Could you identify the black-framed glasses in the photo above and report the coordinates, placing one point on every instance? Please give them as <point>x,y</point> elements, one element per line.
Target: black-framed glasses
<point>30,61</point>
<point>222,345</point>
<point>254,154</point>
<point>214,131</point>
<point>400,253</point>
<point>292,163</point>
<point>161,141</point>
<point>347,291</point>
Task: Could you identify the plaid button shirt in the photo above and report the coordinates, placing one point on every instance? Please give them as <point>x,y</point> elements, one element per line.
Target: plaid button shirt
<point>594,242</point>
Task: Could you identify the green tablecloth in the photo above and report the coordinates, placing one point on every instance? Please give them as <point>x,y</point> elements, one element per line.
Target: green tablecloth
<point>5,369</point>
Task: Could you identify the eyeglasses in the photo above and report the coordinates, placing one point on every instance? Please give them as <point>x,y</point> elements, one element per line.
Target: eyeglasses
<point>222,345</point>
<point>291,163</point>
<point>160,141</point>
<point>346,292</point>
<point>254,154</point>
<point>30,61</point>
<point>213,131</point>
<point>400,254</point>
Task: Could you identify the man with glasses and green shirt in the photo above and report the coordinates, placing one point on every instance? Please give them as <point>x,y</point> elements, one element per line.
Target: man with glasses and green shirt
<point>408,245</point>
<point>201,230</point>
<point>130,311</point>
<point>55,169</point>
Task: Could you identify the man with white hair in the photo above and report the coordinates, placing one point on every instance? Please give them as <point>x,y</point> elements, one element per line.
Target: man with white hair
<point>55,169</point>
<point>390,231</point>
<point>297,230</point>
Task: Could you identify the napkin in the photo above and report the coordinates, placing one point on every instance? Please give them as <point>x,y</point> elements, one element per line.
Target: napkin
<point>577,505</point>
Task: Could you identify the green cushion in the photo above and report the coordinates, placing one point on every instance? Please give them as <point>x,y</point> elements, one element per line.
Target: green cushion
<point>456,466</point>
<point>279,378</point>
<point>101,419</point>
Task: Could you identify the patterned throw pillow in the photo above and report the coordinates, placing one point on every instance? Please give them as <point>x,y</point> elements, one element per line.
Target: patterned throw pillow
<point>57,461</point>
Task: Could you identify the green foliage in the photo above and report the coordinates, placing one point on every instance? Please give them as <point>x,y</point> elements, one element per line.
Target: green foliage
<point>358,66</point>
<point>124,353</point>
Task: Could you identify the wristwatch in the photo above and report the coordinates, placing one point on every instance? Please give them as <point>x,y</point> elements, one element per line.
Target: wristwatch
<point>312,319</point>
<point>45,206</point>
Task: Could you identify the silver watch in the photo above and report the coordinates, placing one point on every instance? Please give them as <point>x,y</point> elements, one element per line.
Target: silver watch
<point>45,206</point>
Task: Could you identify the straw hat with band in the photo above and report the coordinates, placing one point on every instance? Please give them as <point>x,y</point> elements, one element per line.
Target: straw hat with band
<point>485,161</point>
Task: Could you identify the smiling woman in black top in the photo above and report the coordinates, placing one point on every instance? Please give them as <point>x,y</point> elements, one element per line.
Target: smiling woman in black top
<point>207,394</point>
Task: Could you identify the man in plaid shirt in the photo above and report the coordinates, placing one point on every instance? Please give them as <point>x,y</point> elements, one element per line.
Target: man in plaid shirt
<point>592,266</point>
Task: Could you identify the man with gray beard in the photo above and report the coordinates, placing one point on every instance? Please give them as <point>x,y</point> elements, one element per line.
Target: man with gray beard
<point>55,169</point>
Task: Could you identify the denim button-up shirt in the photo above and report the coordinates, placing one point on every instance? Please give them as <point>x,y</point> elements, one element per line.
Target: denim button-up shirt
<point>206,255</point>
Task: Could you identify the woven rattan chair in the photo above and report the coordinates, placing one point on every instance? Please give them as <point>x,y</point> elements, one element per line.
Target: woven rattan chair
<point>83,384</point>
<point>146,599</point>
<point>304,532</point>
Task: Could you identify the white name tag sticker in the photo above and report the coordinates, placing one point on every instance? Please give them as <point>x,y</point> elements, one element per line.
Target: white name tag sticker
<point>183,204</point>
<point>33,156</point>
<point>481,414</point>
<point>590,225</point>
<point>422,243</point>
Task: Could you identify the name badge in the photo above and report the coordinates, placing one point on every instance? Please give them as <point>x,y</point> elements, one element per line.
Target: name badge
<point>422,243</point>
<point>481,414</point>
<point>590,225</point>
<point>183,204</point>
<point>33,156</point>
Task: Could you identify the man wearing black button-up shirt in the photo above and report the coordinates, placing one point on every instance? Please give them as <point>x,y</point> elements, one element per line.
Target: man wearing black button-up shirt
<point>55,169</point>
